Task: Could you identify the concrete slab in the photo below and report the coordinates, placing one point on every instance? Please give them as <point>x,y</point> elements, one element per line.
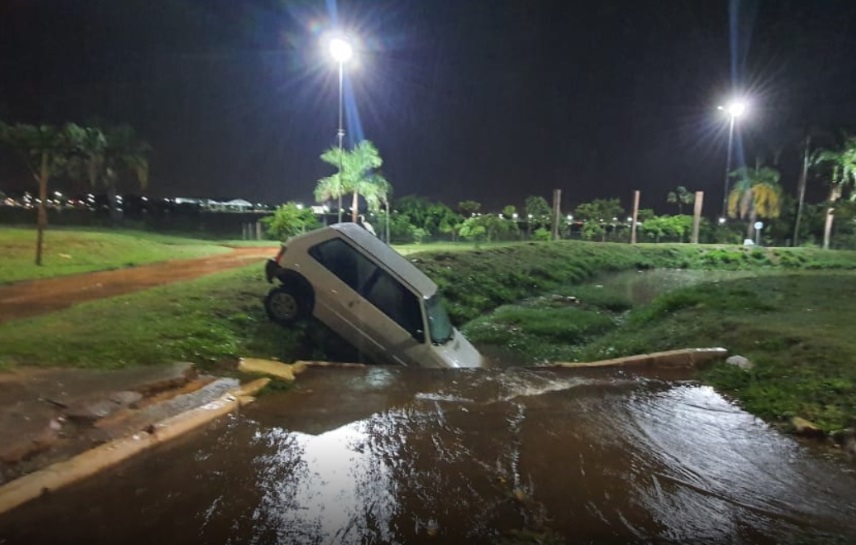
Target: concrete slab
<point>34,403</point>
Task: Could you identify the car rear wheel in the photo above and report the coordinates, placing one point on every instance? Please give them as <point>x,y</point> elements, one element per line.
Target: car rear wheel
<point>284,305</point>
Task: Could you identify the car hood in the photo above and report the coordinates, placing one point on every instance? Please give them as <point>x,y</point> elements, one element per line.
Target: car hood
<point>458,352</point>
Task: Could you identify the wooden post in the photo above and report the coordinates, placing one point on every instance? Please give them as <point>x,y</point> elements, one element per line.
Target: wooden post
<point>557,199</point>
<point>258,230</point>
<point>699,199</point>
<point>635,217</point>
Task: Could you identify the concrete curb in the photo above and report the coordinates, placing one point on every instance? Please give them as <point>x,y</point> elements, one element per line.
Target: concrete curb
<point>88,463</point>
<point>687,357</point>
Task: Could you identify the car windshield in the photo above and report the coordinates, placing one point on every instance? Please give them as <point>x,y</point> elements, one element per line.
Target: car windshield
<point>438,320</point>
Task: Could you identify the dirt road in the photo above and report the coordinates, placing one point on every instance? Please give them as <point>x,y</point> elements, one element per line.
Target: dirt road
<point>31,298</point>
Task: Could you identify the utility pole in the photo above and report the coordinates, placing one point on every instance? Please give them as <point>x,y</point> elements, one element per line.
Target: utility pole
<point>557,199</point>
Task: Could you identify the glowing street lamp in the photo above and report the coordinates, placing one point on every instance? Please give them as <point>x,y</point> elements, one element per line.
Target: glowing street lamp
<point>341,51</point>
<point>735,109</point>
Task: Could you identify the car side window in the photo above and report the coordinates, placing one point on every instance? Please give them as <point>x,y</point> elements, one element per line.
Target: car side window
<point>397,302</point>
<point>342,260</point>
<point>379,287</point>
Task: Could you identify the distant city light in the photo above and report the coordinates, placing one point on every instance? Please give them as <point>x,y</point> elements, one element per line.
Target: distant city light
<point>721,221</point>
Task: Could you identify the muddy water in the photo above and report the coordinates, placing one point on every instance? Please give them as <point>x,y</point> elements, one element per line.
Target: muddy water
<point>642,287</point>
<point>383,455</point>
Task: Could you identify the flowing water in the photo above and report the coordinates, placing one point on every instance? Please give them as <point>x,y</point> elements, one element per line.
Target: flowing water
<point>390,455</point>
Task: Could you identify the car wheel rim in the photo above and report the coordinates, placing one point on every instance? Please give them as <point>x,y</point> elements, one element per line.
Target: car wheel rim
<point>284,306</point>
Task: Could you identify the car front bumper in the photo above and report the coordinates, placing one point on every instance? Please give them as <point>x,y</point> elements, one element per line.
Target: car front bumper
<point>272,269</point>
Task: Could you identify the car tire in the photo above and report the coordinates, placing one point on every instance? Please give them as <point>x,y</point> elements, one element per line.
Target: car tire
<point>284,305</point>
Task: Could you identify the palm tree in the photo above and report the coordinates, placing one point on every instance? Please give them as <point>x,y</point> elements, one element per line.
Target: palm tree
<point>112,154</point>
<point>843,173</point>
<point>680,197</point>
<point>46,150</point>
<point>354,171</point>
<point>756,194</point>
<point>364,159</point>
<point>377,191</point>
<point>332,187</point>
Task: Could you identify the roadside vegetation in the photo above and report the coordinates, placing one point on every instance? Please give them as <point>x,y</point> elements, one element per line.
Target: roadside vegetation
<point>205,321</point>
<point>529,303</point>
<point>71,252</point>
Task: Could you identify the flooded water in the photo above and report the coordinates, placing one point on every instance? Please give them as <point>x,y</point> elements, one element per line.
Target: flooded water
<point>383,455</point>
<point>642,287</point>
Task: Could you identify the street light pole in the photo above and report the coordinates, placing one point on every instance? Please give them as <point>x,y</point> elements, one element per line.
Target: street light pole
<point>340,134</point>
<point>735,109</point>
<point>341,51</point>
<point>727,167</point>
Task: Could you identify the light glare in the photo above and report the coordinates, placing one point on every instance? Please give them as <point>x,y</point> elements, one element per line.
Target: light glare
<point>341,50</point>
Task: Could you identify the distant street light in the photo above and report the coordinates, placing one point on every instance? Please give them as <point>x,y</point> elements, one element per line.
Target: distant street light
<point>342,52</point>
<point>735,109</point>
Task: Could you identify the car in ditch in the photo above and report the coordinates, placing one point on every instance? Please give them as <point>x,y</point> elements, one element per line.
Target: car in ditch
<point>368,293</point>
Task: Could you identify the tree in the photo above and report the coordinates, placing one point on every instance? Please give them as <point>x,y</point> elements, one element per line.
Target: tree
<point>843,162</point>
<point>468,208</point>
<point>377,192</point>
<point>365,158</point>
<point>354,174</point>
<point>46,150</point>
<point>472,229</point>
<point>509,211</point>
<point>680,197</point>
<point>332,187</point>
<point>288,220</point>
<point>674,227</point>
<point>597,212</point>
<point>756,194</point>
<point>538,212</point>
<point>109,155</point>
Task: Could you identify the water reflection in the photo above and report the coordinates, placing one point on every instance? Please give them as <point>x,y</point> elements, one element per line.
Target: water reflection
<point>412,456</point>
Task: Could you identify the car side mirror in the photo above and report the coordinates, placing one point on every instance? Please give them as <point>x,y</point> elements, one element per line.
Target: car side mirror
<point>419,335</point>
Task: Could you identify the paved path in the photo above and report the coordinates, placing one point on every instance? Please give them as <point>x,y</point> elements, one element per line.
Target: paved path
<point>35,297</point>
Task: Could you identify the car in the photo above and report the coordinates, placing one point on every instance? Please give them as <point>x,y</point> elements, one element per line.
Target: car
<point>368,293</point>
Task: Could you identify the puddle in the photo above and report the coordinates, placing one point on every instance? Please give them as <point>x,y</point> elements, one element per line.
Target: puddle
<point>383,455</point>
<point>642,287</point>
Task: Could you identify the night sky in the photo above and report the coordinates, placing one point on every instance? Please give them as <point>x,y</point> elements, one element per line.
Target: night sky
<point>466,99</point>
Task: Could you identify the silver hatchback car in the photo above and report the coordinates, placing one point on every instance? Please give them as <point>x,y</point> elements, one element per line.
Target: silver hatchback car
<point>367,292</point>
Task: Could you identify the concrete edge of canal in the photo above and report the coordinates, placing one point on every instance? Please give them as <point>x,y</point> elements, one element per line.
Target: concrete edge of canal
<point>92,461</point>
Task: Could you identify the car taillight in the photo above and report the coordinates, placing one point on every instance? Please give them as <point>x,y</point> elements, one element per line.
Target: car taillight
<point>281,253</point>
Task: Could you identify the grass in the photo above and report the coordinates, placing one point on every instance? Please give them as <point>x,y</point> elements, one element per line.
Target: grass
<point>478,281</point>
<point>792,319</point>
<point>72,252</point>
<point>207,320</point>
<point>794,327</point>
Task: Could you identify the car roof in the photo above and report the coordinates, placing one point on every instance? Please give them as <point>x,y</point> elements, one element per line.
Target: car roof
<point>398,264</point>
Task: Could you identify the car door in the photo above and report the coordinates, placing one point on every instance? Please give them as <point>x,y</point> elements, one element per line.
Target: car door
<point>341,273</point>
<point>394,319</point>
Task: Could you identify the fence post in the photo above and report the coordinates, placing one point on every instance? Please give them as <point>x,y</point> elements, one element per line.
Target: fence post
<point>699,198</point>
<point>635,217</point>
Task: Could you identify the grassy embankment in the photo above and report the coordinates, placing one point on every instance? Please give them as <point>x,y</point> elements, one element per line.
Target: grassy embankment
<point>78,251</point>
<point>793,323</point>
